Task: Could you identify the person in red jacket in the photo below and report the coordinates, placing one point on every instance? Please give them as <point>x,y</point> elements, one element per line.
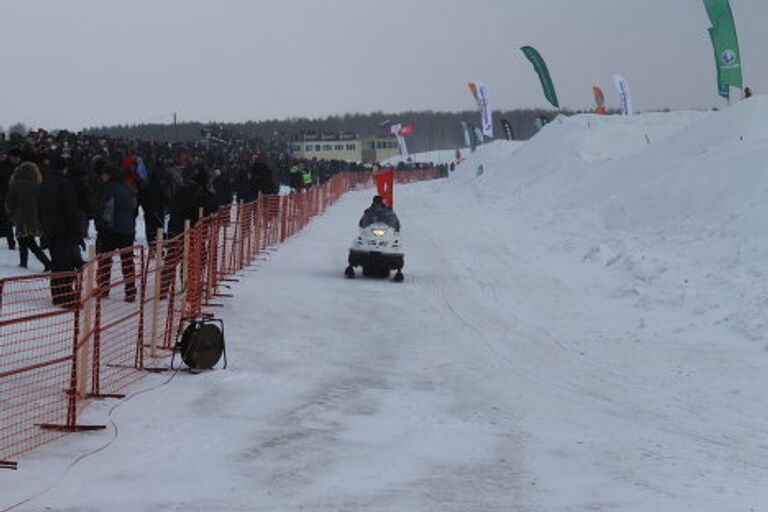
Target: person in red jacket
<point>128,172</point>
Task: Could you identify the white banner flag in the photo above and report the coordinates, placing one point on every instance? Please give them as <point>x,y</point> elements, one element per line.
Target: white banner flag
<point>625,98</point>
<point>395,130</point>
<point>483,99</point>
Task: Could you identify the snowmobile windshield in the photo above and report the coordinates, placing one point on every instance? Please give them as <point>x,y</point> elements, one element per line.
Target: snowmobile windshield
<point>385,215</point>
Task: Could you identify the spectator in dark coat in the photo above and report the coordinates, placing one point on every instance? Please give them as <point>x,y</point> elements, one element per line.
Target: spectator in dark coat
<point>188,202</point>
<point>296,177</point>
<point>243,185</point>
<point>6,170</point>
<point>60,223</point>
<point>116,231</point>
<point>262,179</point>
<point>222,188</point>
<point>93,188</point>
<point>154,200</point>
<point>192,199</point>
<point>77,175</point>
<point>21,205</point>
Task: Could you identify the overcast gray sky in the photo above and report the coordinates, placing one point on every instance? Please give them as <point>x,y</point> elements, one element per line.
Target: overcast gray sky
<point>76,63</point>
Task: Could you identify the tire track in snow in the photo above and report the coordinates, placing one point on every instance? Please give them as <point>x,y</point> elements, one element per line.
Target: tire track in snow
<point>584,378</point>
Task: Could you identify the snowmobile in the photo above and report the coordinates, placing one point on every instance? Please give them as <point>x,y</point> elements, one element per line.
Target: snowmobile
<point>378,250</point>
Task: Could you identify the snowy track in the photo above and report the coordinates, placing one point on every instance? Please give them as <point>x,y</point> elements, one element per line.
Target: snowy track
<point>522,365</point>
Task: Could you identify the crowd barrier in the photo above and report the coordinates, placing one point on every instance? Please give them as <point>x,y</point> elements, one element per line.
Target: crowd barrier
<point>69,338</point>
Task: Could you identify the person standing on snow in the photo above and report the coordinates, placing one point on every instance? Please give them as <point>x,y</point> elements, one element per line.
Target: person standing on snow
<point>154,201</point>
<point>7,167</point>
<point>59,216</point>
<point>296,177</point>
<point>192,199</point>
<point>262,179</point>
<point>188,201</point>
<point>21,205</point>
<point>116,228</point>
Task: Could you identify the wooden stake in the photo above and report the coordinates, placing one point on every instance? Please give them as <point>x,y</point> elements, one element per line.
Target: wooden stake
<point>86,330</point>
<point>159,264</point>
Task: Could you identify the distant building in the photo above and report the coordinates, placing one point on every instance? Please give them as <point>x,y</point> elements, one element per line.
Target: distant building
<point>346,147</point>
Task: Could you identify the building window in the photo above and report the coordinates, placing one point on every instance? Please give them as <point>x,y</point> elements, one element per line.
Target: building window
<point>308,147</point>
<point>339,147</point>
<point>318,147</point>
<point>350,147</point>
<point>327,147</point>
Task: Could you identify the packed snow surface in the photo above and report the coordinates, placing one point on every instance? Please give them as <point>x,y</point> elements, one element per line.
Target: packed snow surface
<point>581,328</point>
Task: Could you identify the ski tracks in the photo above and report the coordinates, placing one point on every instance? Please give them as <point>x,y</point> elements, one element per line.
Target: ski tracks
<point>507,304</point>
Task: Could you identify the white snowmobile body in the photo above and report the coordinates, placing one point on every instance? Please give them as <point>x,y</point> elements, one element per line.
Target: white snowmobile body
<point>378,249</point>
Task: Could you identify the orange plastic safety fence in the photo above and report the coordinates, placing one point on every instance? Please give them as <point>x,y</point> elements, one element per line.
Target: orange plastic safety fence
<point>36,356</point>
<point>119,316</point>
<point>67,337</point>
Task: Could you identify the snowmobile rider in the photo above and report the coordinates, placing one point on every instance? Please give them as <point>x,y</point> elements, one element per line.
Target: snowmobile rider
<point>379,212</point>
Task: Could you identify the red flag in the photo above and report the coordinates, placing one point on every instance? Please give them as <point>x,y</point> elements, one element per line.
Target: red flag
<point>599,100</point>
<point>385,181</point>
<point>406,130</point>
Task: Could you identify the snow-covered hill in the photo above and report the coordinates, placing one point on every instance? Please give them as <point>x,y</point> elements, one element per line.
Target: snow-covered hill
<point>582,327</point>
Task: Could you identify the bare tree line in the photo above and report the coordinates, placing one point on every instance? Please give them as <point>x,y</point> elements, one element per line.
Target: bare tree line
<point>433,130</point>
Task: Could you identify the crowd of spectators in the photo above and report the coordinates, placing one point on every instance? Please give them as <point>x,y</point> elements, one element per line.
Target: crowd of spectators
<point>64,187</point>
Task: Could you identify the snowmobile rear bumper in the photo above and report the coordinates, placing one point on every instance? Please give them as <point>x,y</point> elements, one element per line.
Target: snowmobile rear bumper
<point>390,261</point>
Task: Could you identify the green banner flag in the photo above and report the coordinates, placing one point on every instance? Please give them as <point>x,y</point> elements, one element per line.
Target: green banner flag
<point>722,88</point>
<point>717,9</point>
<point>543,72</point>
<point>725,43</point>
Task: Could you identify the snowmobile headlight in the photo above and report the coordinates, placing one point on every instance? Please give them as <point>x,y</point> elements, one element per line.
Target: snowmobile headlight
<point>379,232</point>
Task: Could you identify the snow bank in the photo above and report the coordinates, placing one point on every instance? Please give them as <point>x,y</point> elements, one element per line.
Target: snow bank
<point>705,172</point>
<point>675,200</point>
<point>563,154</point>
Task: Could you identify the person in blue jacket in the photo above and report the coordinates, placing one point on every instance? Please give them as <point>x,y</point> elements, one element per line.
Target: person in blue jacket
<point>116,231</point>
